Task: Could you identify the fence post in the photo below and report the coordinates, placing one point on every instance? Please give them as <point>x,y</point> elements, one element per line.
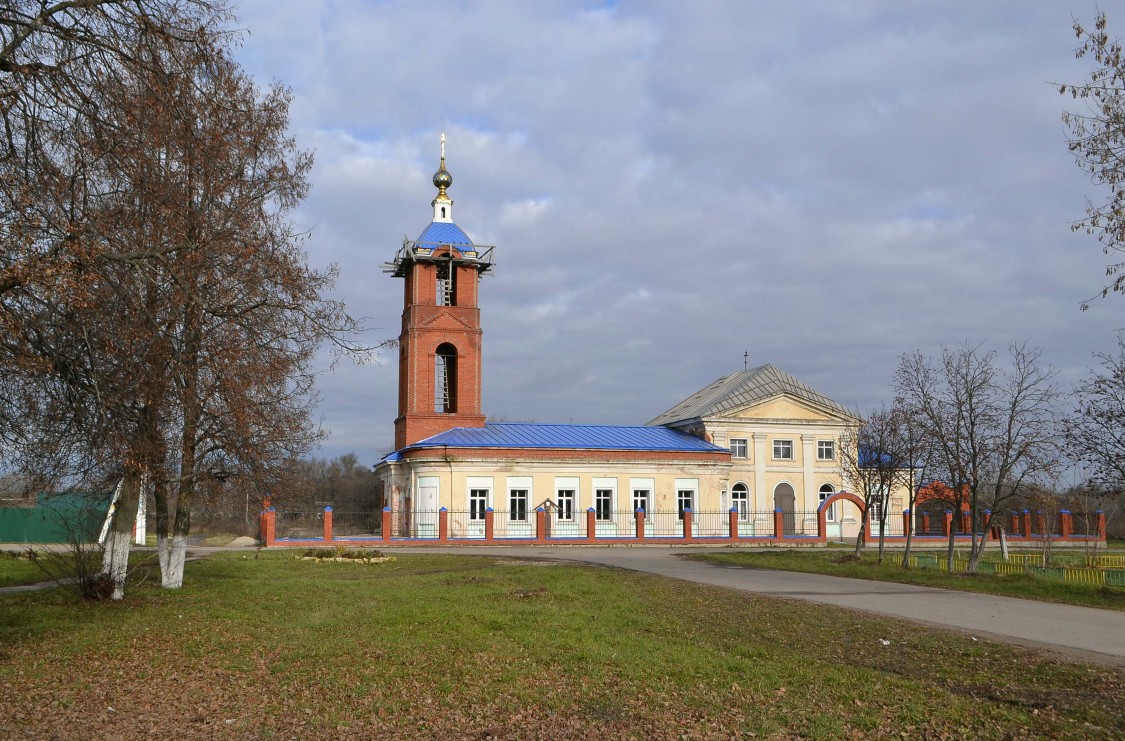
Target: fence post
<point>732,523</point>
<point>639,523</point>
<point>778,524</point>
<point>1066,525</point>
<point>269,526</point>
<point>540,525</point>
<point>1041,522</point>
<point>966,522</point>
<point>906,522</point>
<point>328,525</point>
<point>386,524</point>
<point>1015,528</point>
<point>489,524</point>
<point>442,525</point>
<point>687,524</point>
<point>947,523</point>
<point>926,523</point>
<point>591,524</point>
<point>986,525</point>
<point>1101,524</point>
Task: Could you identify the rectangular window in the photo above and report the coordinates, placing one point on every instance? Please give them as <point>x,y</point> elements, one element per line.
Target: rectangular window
<point>641,501</point>
<point>783,450</point>
<point>565,501</point>
<point>738,447</point>
<point>603,504</point>
<point>825,450</point>
<point>478,503</point>
<point>684,499</point>
<point>517,505</point>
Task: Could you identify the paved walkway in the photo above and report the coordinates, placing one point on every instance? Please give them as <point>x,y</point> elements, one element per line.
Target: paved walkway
<point>1081,632</point>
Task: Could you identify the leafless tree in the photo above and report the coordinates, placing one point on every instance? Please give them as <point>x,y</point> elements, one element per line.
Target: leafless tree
<point>1097,141</point>
<point>877,463</point>
<point>992,430</point>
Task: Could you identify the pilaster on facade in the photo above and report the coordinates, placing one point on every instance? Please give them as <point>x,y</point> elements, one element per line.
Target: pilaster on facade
<point>808,458</point>
<point>762,497</point>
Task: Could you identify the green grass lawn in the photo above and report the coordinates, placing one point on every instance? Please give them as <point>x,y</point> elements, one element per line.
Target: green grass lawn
<point>479,647</point>
<point>838,563</point>
<point>17,569</point>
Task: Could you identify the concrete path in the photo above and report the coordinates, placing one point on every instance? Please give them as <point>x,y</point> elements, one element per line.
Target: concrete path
<point>1081,632</point>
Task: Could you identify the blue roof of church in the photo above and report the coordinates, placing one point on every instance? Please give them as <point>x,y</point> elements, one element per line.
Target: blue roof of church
<point>571,437</point>
<point>444,232</point>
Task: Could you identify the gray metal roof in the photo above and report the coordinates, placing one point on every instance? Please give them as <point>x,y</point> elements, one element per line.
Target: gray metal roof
<point>743,389</point>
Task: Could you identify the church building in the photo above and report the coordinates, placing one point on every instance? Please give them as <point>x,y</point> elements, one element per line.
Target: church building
<point>753,441</point>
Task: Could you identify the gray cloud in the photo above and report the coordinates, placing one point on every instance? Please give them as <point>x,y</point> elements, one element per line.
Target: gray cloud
<point>671,184</point>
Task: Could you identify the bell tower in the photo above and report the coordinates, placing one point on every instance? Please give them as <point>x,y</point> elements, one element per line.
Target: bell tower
<point>439,358</point>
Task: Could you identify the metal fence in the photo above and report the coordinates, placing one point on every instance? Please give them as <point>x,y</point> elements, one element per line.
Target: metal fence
<point>755,524</point>
<point>357,524</point>
<point>299,525</point>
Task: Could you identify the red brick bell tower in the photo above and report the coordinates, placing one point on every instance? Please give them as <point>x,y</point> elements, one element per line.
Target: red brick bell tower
<point>439,360</point>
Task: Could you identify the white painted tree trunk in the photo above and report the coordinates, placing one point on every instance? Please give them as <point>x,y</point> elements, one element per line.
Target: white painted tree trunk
<point>115,556</point>
<point>172,552</point>
<point>115,559</point>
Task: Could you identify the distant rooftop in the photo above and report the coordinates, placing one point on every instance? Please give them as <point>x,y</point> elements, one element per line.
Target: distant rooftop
<point>743,389</point>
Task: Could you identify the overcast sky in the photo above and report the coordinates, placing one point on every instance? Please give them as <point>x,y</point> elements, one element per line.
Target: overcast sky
<point>671,184</point>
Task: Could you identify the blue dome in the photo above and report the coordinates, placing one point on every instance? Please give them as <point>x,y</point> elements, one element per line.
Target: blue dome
<point>444,232</point>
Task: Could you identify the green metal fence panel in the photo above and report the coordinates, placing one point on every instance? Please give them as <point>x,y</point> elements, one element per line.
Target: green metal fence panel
<point>53,518</point>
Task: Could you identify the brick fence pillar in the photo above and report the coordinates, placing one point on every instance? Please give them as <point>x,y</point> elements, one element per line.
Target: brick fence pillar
<point>1026,529</point>
<point>778,524</point>
<point>1101,524</point>
<point>966,521</point>
<point>1066,525</point>
<point>442,525</point>
<point>489,524</point>
<point>639,523</point>
<point>1041,523</point>
<point>687,524</point>
<point>732,523</point>
<point>591,524</point>
<point>269,526</point>
<point>947,523</point>
<point>328,525</point>
<point>926,523</point>
<point>386,524</point>
<point>540,525</point>
<point>1014,528</point>
<point>906,522</point>
<point>986,525</point>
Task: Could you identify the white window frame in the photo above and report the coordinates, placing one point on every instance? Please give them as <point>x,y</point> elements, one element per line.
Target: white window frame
<point>742,444</point>
<point>519,484</point>
<point>478,483</point>
<point>605,490</point>
<point>830,514</point>
<point>686,489</point>
<point>826,445</point>
<point>740,500</point>
<point>782,446</point>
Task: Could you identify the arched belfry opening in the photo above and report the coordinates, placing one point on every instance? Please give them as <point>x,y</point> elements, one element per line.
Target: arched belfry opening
<point>445,379</point>
<point>440,343</point>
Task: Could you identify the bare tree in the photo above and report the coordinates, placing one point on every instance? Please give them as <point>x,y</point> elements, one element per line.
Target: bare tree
<point>876,463</point>
<point>1096,430</point>
<point>992,430</point>
<point>1097,141</point>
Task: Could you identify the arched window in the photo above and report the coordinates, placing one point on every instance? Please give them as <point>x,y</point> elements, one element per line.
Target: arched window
<point>740,500</point>
<point>445,379</point>
<point>827,490</point>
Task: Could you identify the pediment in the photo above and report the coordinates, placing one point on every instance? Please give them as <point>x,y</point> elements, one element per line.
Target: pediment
<point>787,406</point>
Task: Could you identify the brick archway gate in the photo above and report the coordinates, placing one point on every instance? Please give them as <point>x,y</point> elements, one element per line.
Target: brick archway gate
<point>840,496</point>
